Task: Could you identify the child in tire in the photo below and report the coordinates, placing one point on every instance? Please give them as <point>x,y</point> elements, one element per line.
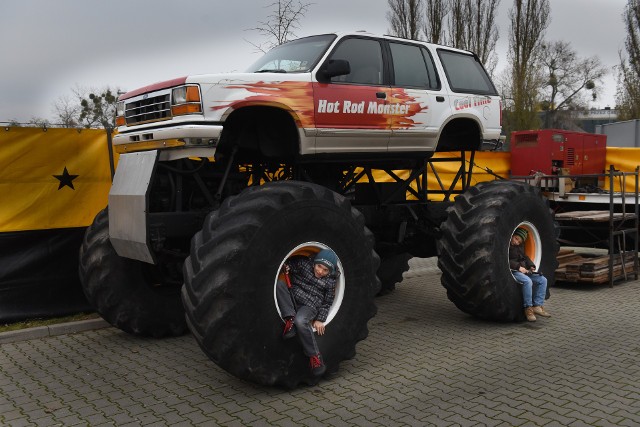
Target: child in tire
<point>306,304</point>
<point>534,284</point>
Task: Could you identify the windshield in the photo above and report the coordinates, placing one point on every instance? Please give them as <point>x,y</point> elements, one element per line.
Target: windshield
<point>298,56</point>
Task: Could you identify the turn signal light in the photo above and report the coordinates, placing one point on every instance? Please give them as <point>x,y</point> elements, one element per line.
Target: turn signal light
<point>178,110</point>
<point>193,94</point>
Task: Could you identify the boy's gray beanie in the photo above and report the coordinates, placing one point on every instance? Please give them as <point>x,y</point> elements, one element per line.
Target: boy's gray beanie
<point>328,258</point>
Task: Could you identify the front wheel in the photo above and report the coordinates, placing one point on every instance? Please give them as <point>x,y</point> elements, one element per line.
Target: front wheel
<point>131,295</point>
<point>474,247</point>
<point>231,274</point>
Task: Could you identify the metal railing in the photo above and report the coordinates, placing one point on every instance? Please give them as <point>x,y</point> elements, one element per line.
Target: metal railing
<point>618,223</point>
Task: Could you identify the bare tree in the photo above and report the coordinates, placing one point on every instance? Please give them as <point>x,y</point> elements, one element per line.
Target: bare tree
<point>98,109</point>
<point>471,26</point>
<point>465,24</point>
<point>567,78</point>
<point>281,23</point>
<point>406,18</point>
<point>66,111</point>
<point>87,107</point>
<point>484,32</point>
<point>628,93</point>
<point>529,20</point>
<point>457,24</point>
<point>36,121</point>
<point>436,14</point>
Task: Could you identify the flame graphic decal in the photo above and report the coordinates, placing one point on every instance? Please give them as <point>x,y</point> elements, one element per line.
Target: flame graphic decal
<point>396,112</point>
<point>296,97</point>
<point>405,121</point>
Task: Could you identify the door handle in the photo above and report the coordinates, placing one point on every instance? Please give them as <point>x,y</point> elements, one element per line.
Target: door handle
<point>440,98</point>
<point>381,95</point>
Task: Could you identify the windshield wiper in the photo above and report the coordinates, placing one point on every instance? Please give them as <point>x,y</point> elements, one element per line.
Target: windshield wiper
<point>279,70</point>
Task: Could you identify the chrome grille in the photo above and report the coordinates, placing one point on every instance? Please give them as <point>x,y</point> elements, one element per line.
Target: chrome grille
<point>152,109</point>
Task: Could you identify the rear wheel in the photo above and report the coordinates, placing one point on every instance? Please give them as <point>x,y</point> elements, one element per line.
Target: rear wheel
<point>130,295</point>
<point>230,279</point>
<point>473,249</point>
<point>390,271</point>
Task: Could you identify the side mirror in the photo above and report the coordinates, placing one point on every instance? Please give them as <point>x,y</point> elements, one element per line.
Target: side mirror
<point>333,68</point>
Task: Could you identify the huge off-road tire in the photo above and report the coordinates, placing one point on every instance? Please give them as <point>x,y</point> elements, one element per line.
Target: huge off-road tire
<point>230,277</point>
<point>474,247</point>
<point>390,271</point>
<point>127,293</point>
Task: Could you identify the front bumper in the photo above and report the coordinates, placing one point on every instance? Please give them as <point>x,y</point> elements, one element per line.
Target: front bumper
<point>189,133</point>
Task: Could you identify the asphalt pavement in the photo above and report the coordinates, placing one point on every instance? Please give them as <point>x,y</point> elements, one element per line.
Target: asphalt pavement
<point>424,363</point>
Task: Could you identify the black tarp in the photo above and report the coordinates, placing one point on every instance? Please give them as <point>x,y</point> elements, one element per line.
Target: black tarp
<point>39,274</point>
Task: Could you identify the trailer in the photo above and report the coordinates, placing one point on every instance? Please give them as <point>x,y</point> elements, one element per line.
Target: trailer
<point>591,208</point>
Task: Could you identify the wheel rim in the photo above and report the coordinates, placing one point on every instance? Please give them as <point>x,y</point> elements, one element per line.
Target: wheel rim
<point>533,244</point>
<point>309,248</point>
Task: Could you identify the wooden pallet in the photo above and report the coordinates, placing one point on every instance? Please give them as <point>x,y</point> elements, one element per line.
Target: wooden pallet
<point>589,268</point>
<point>593,216</point>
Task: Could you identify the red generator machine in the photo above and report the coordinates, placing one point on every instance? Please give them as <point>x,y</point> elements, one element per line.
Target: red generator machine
<point>557,152</point>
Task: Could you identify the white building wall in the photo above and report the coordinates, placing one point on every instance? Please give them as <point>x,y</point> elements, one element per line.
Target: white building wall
<point>621,134</point>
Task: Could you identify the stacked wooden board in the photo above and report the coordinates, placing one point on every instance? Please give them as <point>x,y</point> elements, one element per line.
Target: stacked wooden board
<point>589,268</point>
<point>593,216</point>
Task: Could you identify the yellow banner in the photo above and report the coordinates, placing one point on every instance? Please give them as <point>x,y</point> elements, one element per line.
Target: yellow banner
<point>58,178</point>
<point>485,166</point>
<point>485,162</point>
<point>61,178</point>
<point>623,159</point>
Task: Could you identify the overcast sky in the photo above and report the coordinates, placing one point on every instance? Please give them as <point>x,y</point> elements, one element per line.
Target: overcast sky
<point>51,46</point>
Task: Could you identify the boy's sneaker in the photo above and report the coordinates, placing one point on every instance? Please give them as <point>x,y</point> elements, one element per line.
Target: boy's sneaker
<point>317,365</point>
<point>528,312</point>
<point>289,328</point>
<point>540,311</point>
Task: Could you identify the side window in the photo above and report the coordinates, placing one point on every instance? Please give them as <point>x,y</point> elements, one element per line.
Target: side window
<point>411,67</point>
<point>465,73</point>
<point>365,59</point>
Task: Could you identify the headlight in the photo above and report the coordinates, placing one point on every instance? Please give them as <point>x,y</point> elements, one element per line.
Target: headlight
<point>186,100</point>
<point>120,119</point>
<point>120,108</point>
<point>179,95</point>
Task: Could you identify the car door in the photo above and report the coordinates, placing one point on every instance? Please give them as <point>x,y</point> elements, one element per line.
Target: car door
<point>422,104</point>
<point>349,109</point>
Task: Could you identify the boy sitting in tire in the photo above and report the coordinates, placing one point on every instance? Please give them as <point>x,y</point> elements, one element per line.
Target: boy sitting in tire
<point>305,305</point>
<point>534,284</point>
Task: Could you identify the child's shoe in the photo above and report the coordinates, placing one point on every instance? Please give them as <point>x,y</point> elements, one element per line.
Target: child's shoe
<point>289,328</point>
<point>528,312</point>
<point>540,311</point>
<point>317,365</point>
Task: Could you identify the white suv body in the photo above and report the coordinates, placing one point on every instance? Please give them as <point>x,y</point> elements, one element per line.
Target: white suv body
<point>397,96</point>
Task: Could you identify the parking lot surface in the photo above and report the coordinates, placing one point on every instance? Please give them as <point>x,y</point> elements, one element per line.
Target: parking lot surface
<point>424,363</point>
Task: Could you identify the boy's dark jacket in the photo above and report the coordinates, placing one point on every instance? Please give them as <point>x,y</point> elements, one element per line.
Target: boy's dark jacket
<point>308,290</point>
<point>517,258</point>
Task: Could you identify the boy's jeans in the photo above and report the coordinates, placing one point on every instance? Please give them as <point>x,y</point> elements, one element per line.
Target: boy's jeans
<point>533,286</point>
<point>302,318</point>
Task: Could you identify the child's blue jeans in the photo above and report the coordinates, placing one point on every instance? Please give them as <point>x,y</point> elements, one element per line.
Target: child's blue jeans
<point>534,288</point>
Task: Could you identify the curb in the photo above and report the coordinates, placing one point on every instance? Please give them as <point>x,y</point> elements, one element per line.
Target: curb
<point>52,330</point>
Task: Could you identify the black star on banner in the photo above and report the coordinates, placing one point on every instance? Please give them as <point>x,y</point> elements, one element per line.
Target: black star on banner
<point>66,179</point>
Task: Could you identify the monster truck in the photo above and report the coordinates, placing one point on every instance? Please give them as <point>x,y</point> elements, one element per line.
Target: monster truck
<point>327,141</point>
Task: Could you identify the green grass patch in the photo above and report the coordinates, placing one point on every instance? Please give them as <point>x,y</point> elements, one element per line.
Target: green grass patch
<point>32,323</point>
